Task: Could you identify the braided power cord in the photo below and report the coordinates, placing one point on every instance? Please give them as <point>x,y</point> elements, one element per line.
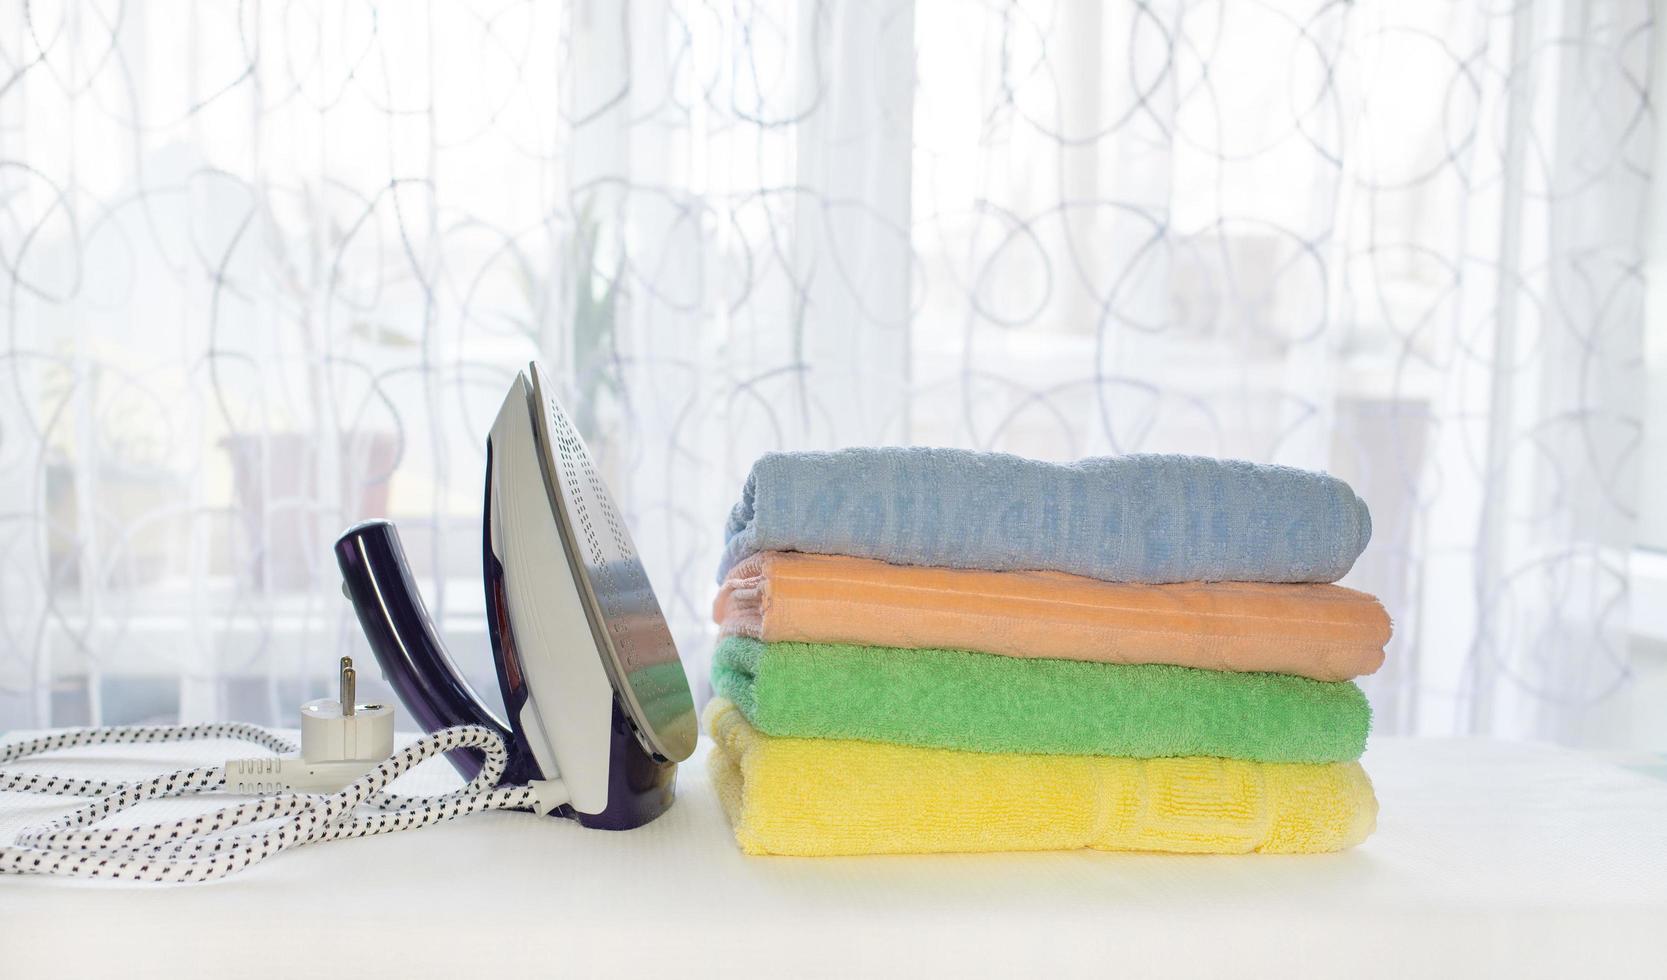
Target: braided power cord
<point>211,845</point>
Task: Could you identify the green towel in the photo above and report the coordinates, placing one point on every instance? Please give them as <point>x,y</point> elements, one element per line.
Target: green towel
<point>983,703</point>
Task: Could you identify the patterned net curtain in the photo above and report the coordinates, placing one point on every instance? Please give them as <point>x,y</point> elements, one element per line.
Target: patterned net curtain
<point>267,269</point>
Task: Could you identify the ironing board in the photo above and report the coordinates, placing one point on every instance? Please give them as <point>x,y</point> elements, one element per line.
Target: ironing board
<point>1491,857</point>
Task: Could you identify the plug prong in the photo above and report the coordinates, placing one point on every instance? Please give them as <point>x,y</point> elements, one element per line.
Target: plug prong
<point>345,693</point>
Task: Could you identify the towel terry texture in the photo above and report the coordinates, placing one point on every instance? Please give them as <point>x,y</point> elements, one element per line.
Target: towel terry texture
<point>1325,632</point>
<point>822,797</point>
<point>1140,518</point>
<point>977,702</point>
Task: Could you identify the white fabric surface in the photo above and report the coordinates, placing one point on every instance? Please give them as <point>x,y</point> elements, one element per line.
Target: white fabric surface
<point>1492,857</point>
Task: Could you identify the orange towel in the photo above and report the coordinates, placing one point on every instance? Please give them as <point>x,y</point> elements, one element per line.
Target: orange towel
<point>1326,632</point>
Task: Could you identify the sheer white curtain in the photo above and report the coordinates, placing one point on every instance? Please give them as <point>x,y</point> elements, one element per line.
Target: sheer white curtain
<point>267,269</point>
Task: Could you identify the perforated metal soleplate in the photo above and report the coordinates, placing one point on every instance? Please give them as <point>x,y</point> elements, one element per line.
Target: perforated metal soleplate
<point>631,633</point>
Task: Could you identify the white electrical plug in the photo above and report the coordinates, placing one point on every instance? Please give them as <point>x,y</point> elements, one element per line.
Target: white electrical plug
<point>339,729</point>
<point>341,740</point>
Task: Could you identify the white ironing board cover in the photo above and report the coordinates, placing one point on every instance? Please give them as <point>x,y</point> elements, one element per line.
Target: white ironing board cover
<point>1491,858</point>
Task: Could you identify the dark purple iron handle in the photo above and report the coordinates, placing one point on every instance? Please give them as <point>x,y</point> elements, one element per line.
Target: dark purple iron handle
<point>378,580</point>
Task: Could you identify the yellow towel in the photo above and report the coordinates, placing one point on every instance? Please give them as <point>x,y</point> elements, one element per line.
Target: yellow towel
<point>823,797</point>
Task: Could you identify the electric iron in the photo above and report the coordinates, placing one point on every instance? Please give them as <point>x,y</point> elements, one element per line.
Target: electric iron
<point>592,685</point>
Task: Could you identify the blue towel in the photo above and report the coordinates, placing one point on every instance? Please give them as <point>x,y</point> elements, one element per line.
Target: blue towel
<point>1137,518</point>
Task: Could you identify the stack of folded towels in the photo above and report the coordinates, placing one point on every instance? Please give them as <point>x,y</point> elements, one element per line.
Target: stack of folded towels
<point>936,650</point>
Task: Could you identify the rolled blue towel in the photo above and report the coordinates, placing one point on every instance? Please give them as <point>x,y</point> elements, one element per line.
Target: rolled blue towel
<point>1141,518</point>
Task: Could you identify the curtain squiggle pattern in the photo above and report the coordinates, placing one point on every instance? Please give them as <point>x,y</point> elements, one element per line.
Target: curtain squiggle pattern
<point>268,268</point>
